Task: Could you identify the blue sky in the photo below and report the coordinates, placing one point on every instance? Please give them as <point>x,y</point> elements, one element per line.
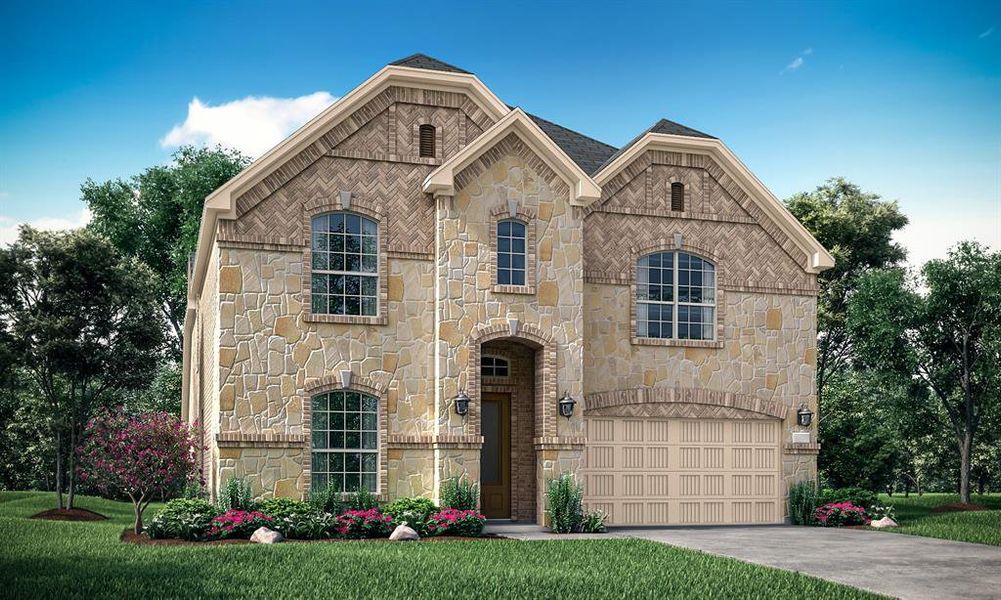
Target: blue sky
<point>902,98</point>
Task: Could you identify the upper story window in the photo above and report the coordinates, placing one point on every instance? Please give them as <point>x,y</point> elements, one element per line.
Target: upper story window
<point>678,196</point>
<point>494,366</point>
<point>345,280</point>
<point>511,252</point>
<point>426,142</point>
<point>345,445</point>
<point>675,297</point>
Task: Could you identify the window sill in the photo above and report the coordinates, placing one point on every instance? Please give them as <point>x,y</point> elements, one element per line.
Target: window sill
<point>644,341</point>
<point>513,289</point>
<point>346,319</point>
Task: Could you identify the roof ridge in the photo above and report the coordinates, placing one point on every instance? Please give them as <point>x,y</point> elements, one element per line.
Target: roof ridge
<point>419,60</point>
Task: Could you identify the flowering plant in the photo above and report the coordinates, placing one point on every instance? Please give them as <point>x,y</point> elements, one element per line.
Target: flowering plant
<point>450,521</point>
<point>142,457</point>
<point>357,524</point>
<point>836,514</point>
<point>238,524</point>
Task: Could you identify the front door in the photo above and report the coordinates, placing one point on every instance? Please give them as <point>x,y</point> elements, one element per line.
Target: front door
<point>495,457</point>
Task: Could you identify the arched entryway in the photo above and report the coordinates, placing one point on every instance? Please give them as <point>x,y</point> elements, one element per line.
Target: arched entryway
<point>508,385</point>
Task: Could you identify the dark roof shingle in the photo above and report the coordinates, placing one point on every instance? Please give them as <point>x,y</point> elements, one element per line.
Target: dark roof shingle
<point>588,153</point>
<point>661,126</point>
<point>423,61</point>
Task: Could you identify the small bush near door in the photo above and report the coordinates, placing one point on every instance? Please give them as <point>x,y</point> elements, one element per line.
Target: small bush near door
<point>459,493</point>
<point>803,501</point>
<point>566,507</point>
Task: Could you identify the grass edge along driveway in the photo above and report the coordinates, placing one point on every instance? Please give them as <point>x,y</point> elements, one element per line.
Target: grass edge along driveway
<point>915,516</point>
<point>58,559</point>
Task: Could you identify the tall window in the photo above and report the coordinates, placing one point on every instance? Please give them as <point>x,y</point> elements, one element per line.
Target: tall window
<point>678,196</point>
<point>426,134</point>
<point>345,441</point>
<point>511,253</point>
<point>345,279</point>
<point>675,297</point>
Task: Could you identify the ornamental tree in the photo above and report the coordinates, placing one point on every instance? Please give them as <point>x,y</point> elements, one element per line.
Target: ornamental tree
<point>143,457</point>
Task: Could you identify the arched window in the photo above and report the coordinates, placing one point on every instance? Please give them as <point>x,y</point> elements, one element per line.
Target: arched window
<point>511,252</point>
<point>494,366</point>
<point>345,448</point>
<point>675,297</point>
<point>426,134</point>
<point>678,196</point>
<point>345,267</point>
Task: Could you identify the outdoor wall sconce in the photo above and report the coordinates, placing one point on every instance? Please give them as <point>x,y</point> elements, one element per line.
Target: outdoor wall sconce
<point>461,404</point>
<point>566,405</point>
<point>804,416</point>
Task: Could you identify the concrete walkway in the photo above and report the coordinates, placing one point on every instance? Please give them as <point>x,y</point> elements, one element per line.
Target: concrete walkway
<point>904,566</point>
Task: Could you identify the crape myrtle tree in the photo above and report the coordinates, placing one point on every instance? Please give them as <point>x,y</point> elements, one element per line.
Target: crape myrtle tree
<point>944,331</point>
<point>857,228</point>
<point>148,456</point>
<point>87,327</point>
<point>154,217</point>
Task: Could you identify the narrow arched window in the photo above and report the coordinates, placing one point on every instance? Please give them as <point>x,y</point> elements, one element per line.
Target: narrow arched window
<point>494,366</point>
<point>345,442</point>
<point>678,196</point>
<point>427,134</point>
<point>511,252</point>
<point>345,265</point>
<point>675,296</point>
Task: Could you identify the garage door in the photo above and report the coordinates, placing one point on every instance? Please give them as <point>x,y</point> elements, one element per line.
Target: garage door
<point>683,471</point>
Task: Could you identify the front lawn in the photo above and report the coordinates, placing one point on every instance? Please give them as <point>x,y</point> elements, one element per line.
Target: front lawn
<point>59,559</point>
<point>916,517</point>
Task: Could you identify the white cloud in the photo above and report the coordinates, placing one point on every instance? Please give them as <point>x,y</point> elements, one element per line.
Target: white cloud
<point>9,226</point>
<point>986,33</point>
<point>930,237</point>
<point>252,125</point>
<point>798,61</point>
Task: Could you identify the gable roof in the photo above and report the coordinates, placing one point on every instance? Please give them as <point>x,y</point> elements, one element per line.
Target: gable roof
<point>662,126</point>
<point>583,190</point>
<point>428,63</point>
<point>587,152</point>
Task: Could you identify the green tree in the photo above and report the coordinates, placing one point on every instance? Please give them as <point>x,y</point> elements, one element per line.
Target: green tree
<point>857,228</point>
<point>86,321</point>
<point>944,330</point>
<point>154,217</point>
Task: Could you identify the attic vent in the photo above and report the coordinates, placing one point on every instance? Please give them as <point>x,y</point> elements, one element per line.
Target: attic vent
<point>427,141</point>
<point>678,196</point>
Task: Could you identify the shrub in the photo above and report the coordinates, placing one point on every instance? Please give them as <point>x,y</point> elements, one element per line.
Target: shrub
<point>143,457</point>
<point>236,495</point>
<point>195,490</point>
<point>857,496</point>
<point>361,500</point>
<point>566,503</point>
<point>307,526</point>
<point>357,524</point>
<point>450,521</point>
<point>412,511</point>
<point>803,501</point>
<point>238,524</point>
<point>878,511</point>
<point>327,500</point>
<point>186,519</point>
<point>283,506</point>
<point>593,522</point>
<point>459,493</point>
<point>837,514</point>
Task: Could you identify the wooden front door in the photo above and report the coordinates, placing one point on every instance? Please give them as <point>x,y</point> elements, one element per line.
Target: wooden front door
<point>495,457</point>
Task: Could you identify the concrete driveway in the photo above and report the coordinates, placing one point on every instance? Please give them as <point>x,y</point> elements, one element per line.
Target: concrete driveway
<point>905,566</point>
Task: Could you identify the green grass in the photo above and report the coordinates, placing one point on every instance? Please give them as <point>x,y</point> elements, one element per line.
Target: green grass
<point>77,560</point>
<point>915,516</point>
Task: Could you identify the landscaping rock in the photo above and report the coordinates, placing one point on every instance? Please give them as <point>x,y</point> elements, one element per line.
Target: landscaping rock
<point>403,533</point>
<point>883,523</point>
<point>263,535</point>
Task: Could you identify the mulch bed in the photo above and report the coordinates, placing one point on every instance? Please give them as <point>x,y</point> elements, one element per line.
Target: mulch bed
<point>957,507</point>
<point>69,514</point>
<point>129,537</point>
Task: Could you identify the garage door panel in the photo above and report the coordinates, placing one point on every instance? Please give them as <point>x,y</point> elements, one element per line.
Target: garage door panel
<point>683,471</point>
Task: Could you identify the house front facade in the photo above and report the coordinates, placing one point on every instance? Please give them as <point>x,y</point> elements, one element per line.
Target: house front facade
<point>407,287</point>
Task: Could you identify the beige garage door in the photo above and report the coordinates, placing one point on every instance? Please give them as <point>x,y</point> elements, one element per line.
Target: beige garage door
<point>648,471</point>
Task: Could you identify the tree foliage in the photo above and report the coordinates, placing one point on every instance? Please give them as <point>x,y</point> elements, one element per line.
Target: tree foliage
<point>154,217</point>
<point>944,331</point>
<point>857,228</point>
<point>85,325</point>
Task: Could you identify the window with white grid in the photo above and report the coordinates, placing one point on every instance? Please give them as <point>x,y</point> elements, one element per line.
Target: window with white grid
<point>345,267</point>
<point>511,252</point>
<point>345,448</point>
<point>675,297</point>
